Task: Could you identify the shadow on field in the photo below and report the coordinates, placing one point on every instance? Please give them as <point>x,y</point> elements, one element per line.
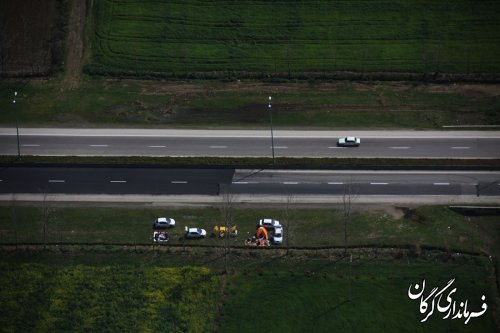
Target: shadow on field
<point>331,310</point>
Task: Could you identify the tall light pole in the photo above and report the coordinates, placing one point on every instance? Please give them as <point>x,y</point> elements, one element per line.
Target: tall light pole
<point>17,127</point>
<point>272,135</point>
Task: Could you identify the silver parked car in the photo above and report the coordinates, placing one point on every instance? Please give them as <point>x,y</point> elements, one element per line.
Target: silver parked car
<point>163,223</point>
<point>278,235</point>
<point>349,141</point>
<point>195,232</point>
<point>269,223</point>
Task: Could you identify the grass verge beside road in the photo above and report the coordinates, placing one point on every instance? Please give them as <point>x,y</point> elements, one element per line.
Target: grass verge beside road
<point>431,226</point>
<point>201,104</point>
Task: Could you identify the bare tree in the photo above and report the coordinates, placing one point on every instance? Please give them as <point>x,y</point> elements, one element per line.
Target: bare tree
<point>47,215</point>
<point>347,199</point>
<point>227,215</point>
<point>347,204</point>
<point>288,216</point>
<point>13,214</point>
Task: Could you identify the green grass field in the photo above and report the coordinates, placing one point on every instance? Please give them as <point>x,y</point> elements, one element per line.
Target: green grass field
<point>286,38</point>
<point>325,297</point>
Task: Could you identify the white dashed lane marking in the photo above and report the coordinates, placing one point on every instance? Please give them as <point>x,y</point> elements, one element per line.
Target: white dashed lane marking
<point>290,183</point>
<point>117,181</point>
<point>379,183</point>
<point>98,145</point>
<point>400,147</point>
<point>179,182</point>
<point>30,145</point>
<point>156,146</point>
<point>56,181</point>
<point>335,183</point>
<point>460,147</point>
<point>218,147</point>
<point>441,184</point>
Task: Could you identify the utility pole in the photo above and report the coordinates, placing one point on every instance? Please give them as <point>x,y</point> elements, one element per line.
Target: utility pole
<point>17,127</point>
<point>272,135</point>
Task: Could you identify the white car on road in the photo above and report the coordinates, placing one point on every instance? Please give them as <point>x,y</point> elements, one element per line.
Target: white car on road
<point>349,141</point>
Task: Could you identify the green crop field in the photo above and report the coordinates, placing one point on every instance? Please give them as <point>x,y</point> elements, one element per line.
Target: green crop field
<point>44,292</point>
<point>106,298</point>
<point>290,38</point>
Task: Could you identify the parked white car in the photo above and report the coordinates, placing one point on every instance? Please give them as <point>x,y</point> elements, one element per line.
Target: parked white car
<point>164,222</point>
<point>278,235</point>
<point>195,232</point>
<point>269,223</point>
<point>349,141</point>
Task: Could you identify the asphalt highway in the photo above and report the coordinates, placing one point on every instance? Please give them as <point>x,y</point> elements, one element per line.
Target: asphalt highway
<point>106,180</point>
<point>246,143</point>
<point>164,181</point>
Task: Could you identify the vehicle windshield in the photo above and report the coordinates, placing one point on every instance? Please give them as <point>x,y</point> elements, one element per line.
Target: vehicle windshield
<point>277,235</point>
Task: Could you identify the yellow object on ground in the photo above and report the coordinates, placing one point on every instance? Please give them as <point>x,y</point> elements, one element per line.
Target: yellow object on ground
<point>222,231</point>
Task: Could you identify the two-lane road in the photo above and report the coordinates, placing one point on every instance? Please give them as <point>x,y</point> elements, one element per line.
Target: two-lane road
<point>164,181</point>
<point>246,143</point>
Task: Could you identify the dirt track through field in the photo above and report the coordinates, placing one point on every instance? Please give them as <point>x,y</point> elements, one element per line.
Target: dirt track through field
<point>74,55</point>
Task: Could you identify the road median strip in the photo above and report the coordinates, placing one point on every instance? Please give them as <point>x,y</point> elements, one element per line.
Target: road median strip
<point>347,163</point>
